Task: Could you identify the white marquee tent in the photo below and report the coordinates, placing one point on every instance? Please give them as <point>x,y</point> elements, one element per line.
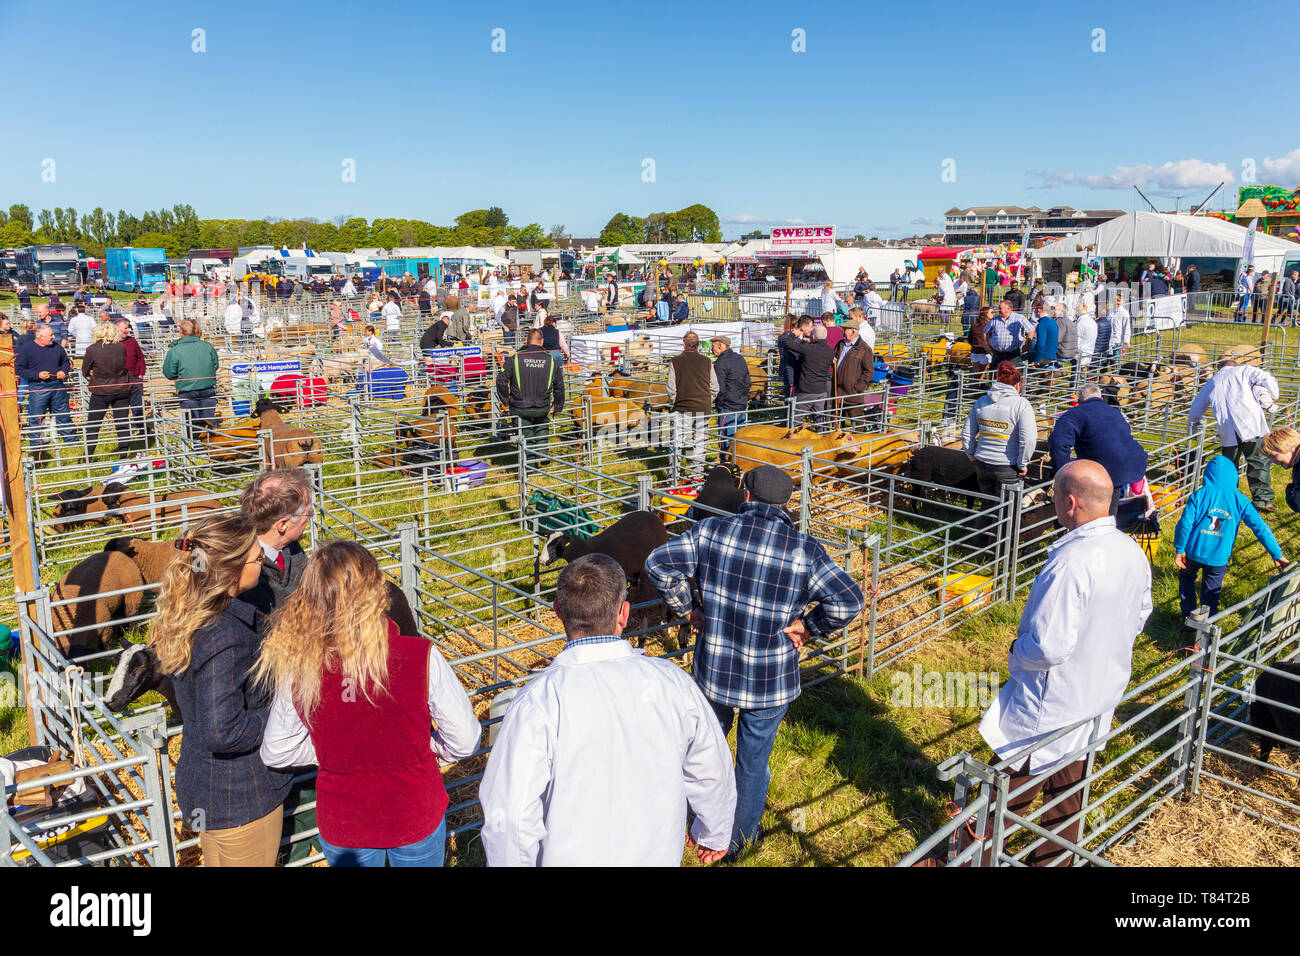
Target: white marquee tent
<point>1168,236</point>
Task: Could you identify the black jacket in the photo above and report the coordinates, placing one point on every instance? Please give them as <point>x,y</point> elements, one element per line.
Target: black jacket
<point>733,382</point>
<point>273,586</point>
<point>531,379</point>
<point>1016,298</point>
<point>221,781</point>
<point>815,374</point>
<point>433,335</point>
<point>1192,280</point>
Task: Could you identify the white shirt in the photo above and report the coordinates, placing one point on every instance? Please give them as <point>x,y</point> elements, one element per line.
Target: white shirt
<point>349,290</point>
<point>828,301</point>
<point>947,290</point>
<point>431,287</point>
<point>287,742</point>
<point>1073,654</point>
<point>82,329</point>
<point>392,315</point>
<point>1121,327</point>
<point>868,335</point>
<point>272,554</point>
<point>1230,395</point>
<point>591,300</point>
<point>596,761</point>
<point>1085,326</point>
<point>233,317</point>
<point>498,305</point>
<point>872,302</point>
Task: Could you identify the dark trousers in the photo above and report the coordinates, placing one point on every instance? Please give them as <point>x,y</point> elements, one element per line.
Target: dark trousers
<point>991,479</point>
<point>137,406</point>
<point>99,406</point>
<point>201,403</point>
<point>1258,478</point>
<point>534,429</point>
<point>1004,357</point>
<point>1211,587</point>
<point>1057,819</point>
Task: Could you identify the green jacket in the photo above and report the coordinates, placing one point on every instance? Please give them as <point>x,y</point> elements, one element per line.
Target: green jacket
<point>191,363</point>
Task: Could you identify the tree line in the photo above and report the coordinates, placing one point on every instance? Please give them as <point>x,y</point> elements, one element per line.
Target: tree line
<point>696,223</point>
<point>179,229</point>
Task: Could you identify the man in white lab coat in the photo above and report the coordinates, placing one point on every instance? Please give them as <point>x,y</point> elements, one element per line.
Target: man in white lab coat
<point>1072,657</point>
<point>599,755</point>
<point>1237,395</point>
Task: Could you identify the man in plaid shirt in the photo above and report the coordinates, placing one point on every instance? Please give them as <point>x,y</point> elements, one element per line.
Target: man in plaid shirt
<point>756,575</point>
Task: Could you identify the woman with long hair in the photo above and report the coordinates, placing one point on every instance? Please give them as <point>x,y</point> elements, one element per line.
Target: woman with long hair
<point>978,337</point>
<point>104,368</point>
<point>205,636</point>
<point>360,700</point>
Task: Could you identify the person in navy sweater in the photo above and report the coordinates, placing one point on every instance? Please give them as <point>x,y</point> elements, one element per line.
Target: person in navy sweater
<point>45,367</point>
<point>1098,431</point>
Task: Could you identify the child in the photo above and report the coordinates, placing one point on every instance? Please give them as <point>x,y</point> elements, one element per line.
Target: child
<point>1282,447</point>
<point>1207,531</point>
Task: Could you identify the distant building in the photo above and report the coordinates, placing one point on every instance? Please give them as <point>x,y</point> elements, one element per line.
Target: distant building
<point>990,225</point>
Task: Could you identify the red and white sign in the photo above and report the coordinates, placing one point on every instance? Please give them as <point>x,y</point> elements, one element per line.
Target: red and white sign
<point>802,236</point>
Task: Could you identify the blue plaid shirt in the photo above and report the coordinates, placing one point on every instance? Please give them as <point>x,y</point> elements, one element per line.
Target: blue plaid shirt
<point>756,574</point>
<point>1007,335</point>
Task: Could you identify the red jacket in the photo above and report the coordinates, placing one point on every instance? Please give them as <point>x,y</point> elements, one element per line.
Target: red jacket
<point>134,358</point>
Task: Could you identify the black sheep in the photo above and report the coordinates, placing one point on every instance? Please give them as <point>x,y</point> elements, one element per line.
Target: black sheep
<point>629,541</point>
<point>1272,689</point>
<point>721,490</point>
<point>942,466</point>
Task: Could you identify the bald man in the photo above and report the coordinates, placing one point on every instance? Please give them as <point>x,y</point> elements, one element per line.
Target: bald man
<point>692,387</point>
<point>1072,657</point>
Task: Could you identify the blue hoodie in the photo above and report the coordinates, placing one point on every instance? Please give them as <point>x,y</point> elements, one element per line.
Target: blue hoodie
<point>1208,528</point>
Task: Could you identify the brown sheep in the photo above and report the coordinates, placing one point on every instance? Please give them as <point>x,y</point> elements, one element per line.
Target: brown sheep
<point>289,447</point>
<point>151,557</point>
<point>105,571</point>
<point>100,504</point>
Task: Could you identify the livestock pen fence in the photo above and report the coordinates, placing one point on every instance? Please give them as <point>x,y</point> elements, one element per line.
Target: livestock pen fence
<point>1181,732</point>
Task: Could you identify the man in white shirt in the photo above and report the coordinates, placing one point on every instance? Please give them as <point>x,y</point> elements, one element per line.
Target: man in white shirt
<point>233,319</point>
<point>498,305</point>
<point>948,292</point>
<point>1234,394</point>
<point>600,754</point>
<point>1085,326</point>
<point>392,314</point>
<point>82,329</point>
<point>1121,326</point>
<point>349,290</point>
<point>1072,657</point>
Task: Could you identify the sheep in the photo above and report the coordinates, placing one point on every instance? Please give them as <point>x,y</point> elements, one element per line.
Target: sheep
<point>618,413</point>
<point>629,541</point>
<point>756,445</point>
<point>136,671</point>
<point>100,504</point>
<point>638,390</point>
<point>99,573</point>
<point>151,557</point>
<point>288,447</point>
<point>1270,690</point>
<point>721,490</point>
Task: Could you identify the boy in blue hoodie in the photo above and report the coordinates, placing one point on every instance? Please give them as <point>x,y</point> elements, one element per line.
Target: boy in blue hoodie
<point>1207,531</point>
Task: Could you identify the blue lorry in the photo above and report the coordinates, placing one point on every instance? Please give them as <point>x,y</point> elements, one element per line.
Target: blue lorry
<point>136,270</point>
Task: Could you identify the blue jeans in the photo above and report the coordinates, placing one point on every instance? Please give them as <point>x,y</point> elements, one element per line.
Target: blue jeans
<point>201,403</point>
<point>728,422</point>
<point>754,739</point>
<point>1211,587</point>
<point>43,400</point>
<point>427,852</point>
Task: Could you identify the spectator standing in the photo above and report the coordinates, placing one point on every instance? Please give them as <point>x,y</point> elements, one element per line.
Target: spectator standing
<point>1000,433</point>
<point>392,313</point>
<point>458,327</point>
<point>109,382</point>
<point>1101,347</point>
<point>814,372</point>
<point>552,338</point>
<point>970,308</point>
<point>192,364</point>
<point>692,389</point>
<point>756,575</point>
<point>981,354</point>
<point>531,384</point>
<point>81,326</point>
<point>1072,658</point>
<point>732,374</point>
<point>379,792</point>
<point>1046,340</point>
<point>204,634</point>
<point>1245,285</point>
<point>1207,531</point>
<point>1289,298</point>
<point>600,755</point>
<point>1259,298</point>
<point>1192,279</point>
<point>1007,332</point>
<point>834,334</point>
<point>1015,297</point>
<point>45,367</point>
<point>1098,431</point>
<point>1233,395</point>
<point>136,369</point>
<point>854,369</point>
<point>1085,334</point>
<point>510,321</point>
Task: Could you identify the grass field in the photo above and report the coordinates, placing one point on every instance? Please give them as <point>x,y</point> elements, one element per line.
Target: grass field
<point>853,775</point>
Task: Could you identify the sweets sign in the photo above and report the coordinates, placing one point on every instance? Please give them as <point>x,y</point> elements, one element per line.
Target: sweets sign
<point>803,236</point>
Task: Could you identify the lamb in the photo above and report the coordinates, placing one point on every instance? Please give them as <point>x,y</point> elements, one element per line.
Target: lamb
<point>97,574</point>
<point>100,504</point>
<point>137,671</point>
<point>151,557</point>
<point>721,490</point>
<point>1272,690</point>
<point>629,541</point>
<point>289,447</point>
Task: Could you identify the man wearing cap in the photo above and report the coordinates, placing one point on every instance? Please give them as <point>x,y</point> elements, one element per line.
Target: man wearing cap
<point>815,372</point>
<point>692,388</point>
<point>854,368</point>
<point>756,575</point>
<point>733,390</point>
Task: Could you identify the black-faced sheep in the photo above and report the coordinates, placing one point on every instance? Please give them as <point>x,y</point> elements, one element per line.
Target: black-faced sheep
<point>629,541</point>
<point>721,490</point>
<point>97,574</point>
<point>100,504</point>
<point>289,447</point>
<point>137,671</point>
<point>1270,691</point>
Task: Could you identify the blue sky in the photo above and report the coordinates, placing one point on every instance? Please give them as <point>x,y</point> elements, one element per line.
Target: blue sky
<point>854,131</point>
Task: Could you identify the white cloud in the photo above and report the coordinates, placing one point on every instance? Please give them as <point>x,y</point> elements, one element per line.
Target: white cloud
<point>1053,180</point>
<point>1285,169</point>
<point>924,221</point>
<point>748,218</point>
<point>1178,174</point>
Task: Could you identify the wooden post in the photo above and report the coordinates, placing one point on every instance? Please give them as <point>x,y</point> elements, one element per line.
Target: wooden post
<point>20,542</point>
<point>788,281</point>
<point>1268,310</point>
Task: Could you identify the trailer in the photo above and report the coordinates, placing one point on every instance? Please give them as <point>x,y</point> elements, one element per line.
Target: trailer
<point>136,270</point>
<point>52,268</point>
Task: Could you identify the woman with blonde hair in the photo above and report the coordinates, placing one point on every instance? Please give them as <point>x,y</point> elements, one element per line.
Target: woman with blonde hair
<point>205,636</point>
<point>360,700</point>
<point>104,368</point>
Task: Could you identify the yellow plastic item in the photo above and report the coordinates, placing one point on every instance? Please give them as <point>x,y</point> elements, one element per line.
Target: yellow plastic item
<point>676,509</point>
<point>966,589</point>
<point>1150,545</point>
<point>1164,497</point>
<point>895,349</point>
